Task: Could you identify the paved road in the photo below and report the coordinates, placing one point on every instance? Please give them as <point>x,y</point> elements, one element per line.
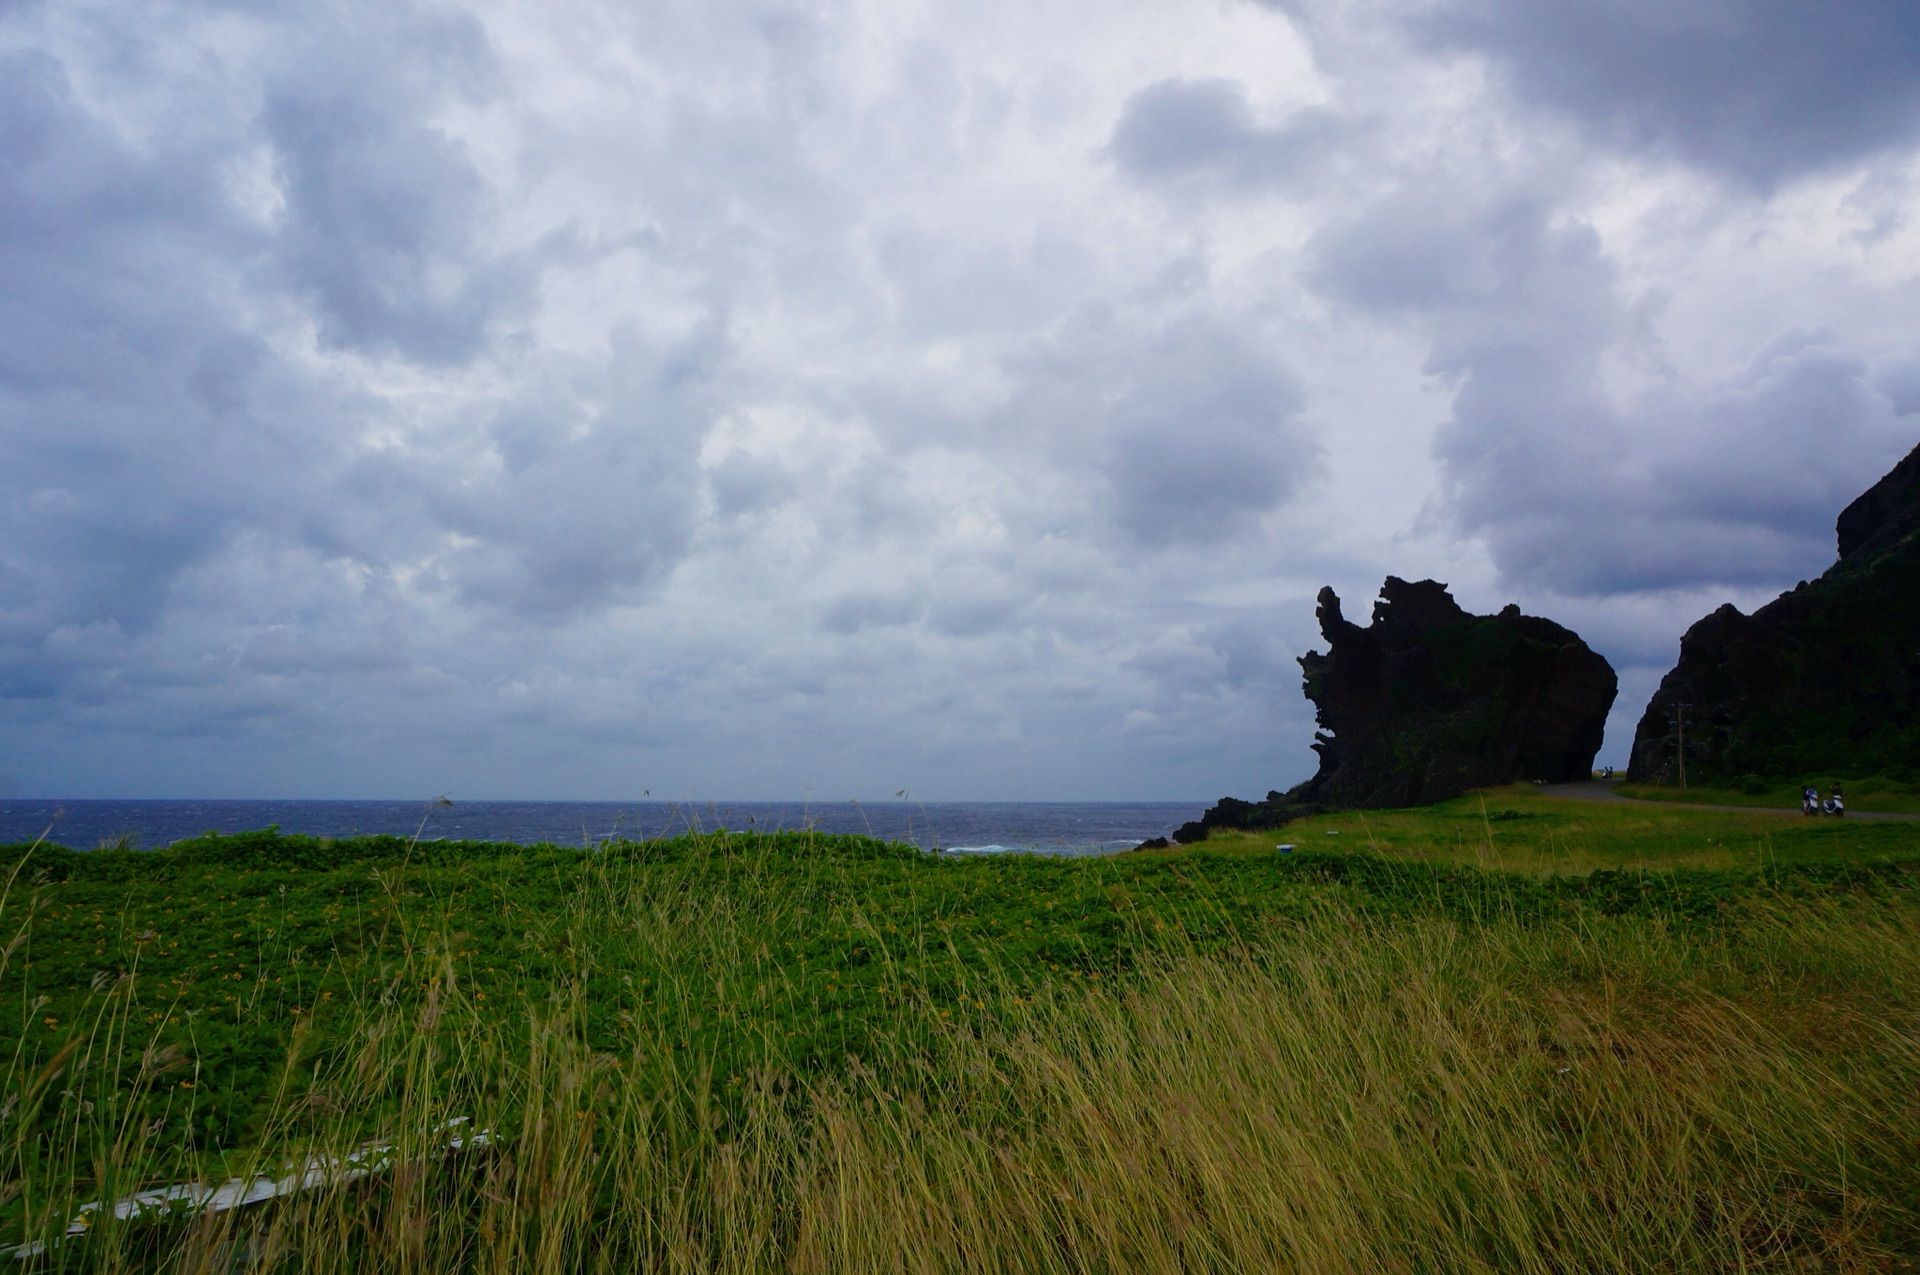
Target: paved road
<point>1602,790</point>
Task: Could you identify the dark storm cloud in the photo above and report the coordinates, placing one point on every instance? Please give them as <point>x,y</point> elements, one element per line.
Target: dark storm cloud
<point>1574,488</point>
<point>103,316</point>
<point>385,218</point>
<point>1192,427</point>
<point>1737,485</point>
<point>971,604</point>
<point>606,501</point>
<point>1259,650</point>
<point>1899,380</point>
<point>155,417</point>
<point>857,611</point>
<point>1180,128</point>
<point>1761,89</point>
<point>745,485</point>
<point>380,227</point>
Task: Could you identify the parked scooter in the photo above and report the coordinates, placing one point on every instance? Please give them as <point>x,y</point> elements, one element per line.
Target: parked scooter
<point>1810,803</point>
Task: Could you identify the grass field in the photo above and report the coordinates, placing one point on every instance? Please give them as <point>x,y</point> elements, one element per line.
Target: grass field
<point>1518,830</point>
<point>1508,1033</point>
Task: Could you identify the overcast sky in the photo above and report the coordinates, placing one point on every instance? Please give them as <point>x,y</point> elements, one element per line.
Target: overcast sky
<point>748,398</point>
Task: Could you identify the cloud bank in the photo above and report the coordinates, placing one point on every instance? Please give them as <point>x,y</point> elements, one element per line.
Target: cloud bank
<point>732,398</point>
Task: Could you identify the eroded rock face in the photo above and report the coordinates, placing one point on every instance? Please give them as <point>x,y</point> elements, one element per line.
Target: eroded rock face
<point>1822,682</point>
<point>1429,700</point>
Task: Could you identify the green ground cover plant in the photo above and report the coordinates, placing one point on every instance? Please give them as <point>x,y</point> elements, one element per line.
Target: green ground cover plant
<point>1487,1036</point>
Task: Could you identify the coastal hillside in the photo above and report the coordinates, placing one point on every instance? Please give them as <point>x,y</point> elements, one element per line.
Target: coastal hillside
<point>1823,682</point>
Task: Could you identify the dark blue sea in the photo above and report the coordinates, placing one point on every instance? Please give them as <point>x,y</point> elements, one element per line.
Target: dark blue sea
<point>976,827</point>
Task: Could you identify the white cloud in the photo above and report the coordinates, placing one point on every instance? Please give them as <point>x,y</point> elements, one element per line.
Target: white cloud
<point>716,398</point>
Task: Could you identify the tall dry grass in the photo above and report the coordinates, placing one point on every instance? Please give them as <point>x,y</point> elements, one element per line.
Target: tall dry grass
<point>1340,1094</point>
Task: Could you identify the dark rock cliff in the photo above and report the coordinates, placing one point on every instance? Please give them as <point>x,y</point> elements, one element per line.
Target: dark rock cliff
<point>1428,701</point>
<point>1822,682</point>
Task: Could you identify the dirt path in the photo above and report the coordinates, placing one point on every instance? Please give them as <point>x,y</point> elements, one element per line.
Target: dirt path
<point>1602,790</point>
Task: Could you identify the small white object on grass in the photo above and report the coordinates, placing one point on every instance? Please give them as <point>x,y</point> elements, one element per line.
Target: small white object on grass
<point>1333,832</point>
<point>1285,847</point>
<point>238,1193</point>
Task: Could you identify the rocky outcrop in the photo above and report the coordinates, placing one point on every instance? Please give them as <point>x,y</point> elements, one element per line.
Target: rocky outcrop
<point>1429,700</point>
<point>1278,810</point>
<point>1823,682</point>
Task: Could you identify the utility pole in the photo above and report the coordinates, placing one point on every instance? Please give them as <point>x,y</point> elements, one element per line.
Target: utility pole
<point>1680,736</point>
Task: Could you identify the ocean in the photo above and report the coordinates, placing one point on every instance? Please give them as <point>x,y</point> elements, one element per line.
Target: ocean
<point>970,827</point>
